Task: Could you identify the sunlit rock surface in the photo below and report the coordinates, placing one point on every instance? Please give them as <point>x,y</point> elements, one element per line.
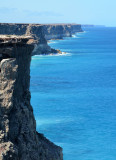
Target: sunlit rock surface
<point>19,139</point>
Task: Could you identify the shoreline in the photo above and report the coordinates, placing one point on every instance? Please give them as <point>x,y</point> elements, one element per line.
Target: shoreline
<point>52,54</point>
<point>59,51</point>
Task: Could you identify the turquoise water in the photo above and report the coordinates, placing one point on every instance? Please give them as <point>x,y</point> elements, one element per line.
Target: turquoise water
<point>74,96</point>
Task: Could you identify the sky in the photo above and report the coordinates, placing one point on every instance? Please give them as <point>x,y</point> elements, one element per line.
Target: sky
<point>97,12</point>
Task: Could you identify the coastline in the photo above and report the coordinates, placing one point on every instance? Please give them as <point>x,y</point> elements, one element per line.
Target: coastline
<point>41,33</point>
<point>16,51</point>
<point>80,83</point>
<point>56,41</point>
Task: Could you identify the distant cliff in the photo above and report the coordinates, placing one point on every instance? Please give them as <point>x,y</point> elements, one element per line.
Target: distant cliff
<point>18,137</point>
<point>58,31</point>
<point>75,28</point>
<point>40,33</point>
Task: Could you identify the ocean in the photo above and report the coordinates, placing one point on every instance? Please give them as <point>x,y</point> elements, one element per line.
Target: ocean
<point>74,95</point>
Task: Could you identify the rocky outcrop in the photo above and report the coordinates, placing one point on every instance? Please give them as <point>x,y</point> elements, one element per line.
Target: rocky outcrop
<point>19,139</point>
<point>36,31</point>
<point>41,33</point>
<point>58,31</point>
<point>40,43</point>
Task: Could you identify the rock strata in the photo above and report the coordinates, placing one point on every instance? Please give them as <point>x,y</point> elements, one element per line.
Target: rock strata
<point>58,31</point>
<point>19,139</point>
<point>40,33</point>
<point>36,31</point>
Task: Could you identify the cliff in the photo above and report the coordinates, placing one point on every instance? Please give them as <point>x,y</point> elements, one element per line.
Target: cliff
<point>36,31</point>
<point>58,31</point>
<point>18,137</point>
<point>55,31</point>
<point>40,43</point>
<point>41,33</point>
<point>76,28</point>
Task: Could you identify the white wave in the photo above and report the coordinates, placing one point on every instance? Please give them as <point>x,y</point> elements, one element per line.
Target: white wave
<point>67,54</point>
<point>37,57</point>
<point>52,54</point>
<point>62,54</point>
<point>60,144</point>
<point>52,42</point>
<point>74,36</point>
<point>80,33</point>
<point>41,122</point>
<point>85,31</point>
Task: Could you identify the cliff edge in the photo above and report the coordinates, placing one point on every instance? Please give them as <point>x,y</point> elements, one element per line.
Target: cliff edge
<point>36,31</point>
<point>40,33</point>
<point>19,139</point>
<point>58,31</point>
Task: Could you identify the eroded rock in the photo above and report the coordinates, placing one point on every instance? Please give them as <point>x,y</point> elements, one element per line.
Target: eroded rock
<point>19,139</point>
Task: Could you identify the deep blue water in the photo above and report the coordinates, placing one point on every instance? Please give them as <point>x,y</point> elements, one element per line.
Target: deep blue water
<point>74,96</point>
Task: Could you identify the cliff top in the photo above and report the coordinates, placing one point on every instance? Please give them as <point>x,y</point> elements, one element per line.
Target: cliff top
<point>21,24</point>
<point>38,24</point>
<point>59,24</point>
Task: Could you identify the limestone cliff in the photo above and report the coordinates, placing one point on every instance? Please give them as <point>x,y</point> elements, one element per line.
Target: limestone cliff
<point>76,28</point>
<point>18,137</point>
<point>36,31</point>
<point>58,31</point>
<point>40,43</point>
<point>40,33</point>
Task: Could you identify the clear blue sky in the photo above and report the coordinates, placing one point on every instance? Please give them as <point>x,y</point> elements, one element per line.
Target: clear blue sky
<point>59,11</point>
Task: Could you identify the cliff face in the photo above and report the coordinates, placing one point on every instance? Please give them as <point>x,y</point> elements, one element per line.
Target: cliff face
<point>76,28</point>
<point>18,137</point>
<point>58,31</point>
<point>39,41</point>
<point>41,33</point>
<point>13,29</point>
<point>36,31</point>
